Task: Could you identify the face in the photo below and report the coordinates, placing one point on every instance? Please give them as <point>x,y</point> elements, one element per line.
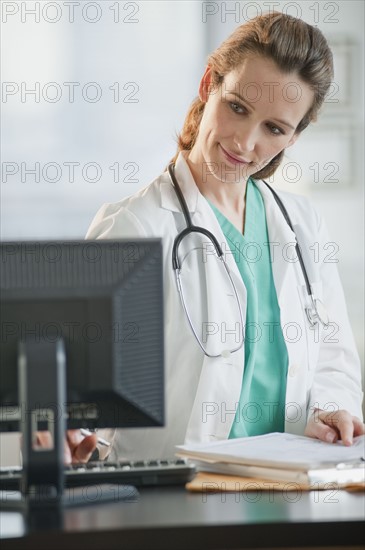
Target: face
<point>249,120</point>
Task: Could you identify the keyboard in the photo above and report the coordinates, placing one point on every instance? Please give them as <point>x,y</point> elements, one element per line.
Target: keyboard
<point>141,473</point>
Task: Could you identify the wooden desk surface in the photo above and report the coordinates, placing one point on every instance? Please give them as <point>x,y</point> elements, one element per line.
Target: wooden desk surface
<point>171,518</point>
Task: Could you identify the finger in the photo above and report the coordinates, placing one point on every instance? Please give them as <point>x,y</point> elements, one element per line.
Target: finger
<point>74,438</point>
<point>343,422</point>
<point>359,426</point>
<point>85,449</point>
<point>350,426</point>
<point>345,427</point>
<point>44,440</point>
<point>319,430</point>
<point>67,453</point>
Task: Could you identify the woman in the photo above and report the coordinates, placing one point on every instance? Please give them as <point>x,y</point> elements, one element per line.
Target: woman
<point>260,90</point>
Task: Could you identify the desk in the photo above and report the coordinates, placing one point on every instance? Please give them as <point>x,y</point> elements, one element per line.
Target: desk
<point>171,518</point>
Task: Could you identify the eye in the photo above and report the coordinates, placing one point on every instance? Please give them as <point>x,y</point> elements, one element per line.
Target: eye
<point>236,107</point>
<point>275,130</point>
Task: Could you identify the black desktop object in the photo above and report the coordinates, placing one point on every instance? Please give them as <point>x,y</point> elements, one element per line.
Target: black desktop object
<point>81,346</point>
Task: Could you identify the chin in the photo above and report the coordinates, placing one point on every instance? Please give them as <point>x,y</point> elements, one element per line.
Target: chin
<point>234,176</point>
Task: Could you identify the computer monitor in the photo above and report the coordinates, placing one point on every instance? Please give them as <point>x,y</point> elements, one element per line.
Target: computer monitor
<point>102,300</point>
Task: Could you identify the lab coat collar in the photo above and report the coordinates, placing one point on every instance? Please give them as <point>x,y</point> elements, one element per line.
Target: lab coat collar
<point>185,179</point>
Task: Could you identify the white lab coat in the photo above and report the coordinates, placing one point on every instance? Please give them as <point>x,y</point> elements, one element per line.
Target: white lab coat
<point>202,393</point>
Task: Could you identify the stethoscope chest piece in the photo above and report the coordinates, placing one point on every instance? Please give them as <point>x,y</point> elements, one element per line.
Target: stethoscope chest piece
<point>317,313</point>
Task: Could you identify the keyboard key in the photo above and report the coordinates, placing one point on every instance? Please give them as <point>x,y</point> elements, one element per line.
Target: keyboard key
<point>139,473</point>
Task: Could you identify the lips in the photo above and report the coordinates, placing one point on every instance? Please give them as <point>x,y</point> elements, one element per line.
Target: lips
<point>232,158</point>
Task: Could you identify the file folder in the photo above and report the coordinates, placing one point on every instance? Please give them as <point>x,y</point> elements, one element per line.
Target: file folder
<point>283,458</point>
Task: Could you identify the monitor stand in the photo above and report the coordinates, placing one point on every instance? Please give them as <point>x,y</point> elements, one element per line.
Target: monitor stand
<point>42,402</point>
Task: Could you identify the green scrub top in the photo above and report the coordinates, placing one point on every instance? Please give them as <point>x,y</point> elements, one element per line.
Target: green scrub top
<point>261,408</point>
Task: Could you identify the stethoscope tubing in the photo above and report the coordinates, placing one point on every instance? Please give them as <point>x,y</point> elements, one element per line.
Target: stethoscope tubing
<point>297,247</point>
<point>312,313</point>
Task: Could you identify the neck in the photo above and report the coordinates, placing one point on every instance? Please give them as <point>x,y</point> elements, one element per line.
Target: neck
<point>228,195</point>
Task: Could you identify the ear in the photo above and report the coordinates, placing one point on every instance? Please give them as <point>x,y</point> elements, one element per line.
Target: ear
<point>293,139</point>
<point>205,85</point>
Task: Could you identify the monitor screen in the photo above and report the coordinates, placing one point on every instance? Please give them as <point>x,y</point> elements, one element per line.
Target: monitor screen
<point>104,300</point>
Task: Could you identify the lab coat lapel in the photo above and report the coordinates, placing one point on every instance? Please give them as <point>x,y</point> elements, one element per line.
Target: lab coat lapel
<point>169,200</point>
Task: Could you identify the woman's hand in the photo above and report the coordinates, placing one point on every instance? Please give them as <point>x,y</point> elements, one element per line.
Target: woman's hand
<point>332,426</point>
<point>78,448</point>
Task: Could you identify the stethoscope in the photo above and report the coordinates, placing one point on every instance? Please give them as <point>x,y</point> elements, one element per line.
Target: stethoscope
<point>316,312</point>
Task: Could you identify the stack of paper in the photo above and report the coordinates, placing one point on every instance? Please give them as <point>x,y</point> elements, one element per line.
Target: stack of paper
<point>282,457</point>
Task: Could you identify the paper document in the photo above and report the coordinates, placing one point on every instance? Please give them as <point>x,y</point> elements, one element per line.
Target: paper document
<point>280,450</point>
<point>281,456</point>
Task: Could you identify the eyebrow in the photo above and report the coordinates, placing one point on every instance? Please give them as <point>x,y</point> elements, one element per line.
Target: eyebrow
<point>274,119</point>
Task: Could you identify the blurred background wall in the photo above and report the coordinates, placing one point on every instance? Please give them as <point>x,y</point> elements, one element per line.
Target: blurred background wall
<point>93,94</point>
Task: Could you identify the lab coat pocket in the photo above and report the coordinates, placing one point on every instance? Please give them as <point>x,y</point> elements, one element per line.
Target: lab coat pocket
<point>312,334</point>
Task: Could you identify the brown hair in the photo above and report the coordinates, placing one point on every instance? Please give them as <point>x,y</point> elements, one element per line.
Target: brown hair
<point>292,44</point>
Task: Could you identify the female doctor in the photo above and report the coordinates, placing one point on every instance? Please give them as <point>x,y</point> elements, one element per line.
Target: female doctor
<point>263,345</point>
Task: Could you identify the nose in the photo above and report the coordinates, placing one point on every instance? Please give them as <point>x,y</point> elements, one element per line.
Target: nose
<point>245,138</point>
